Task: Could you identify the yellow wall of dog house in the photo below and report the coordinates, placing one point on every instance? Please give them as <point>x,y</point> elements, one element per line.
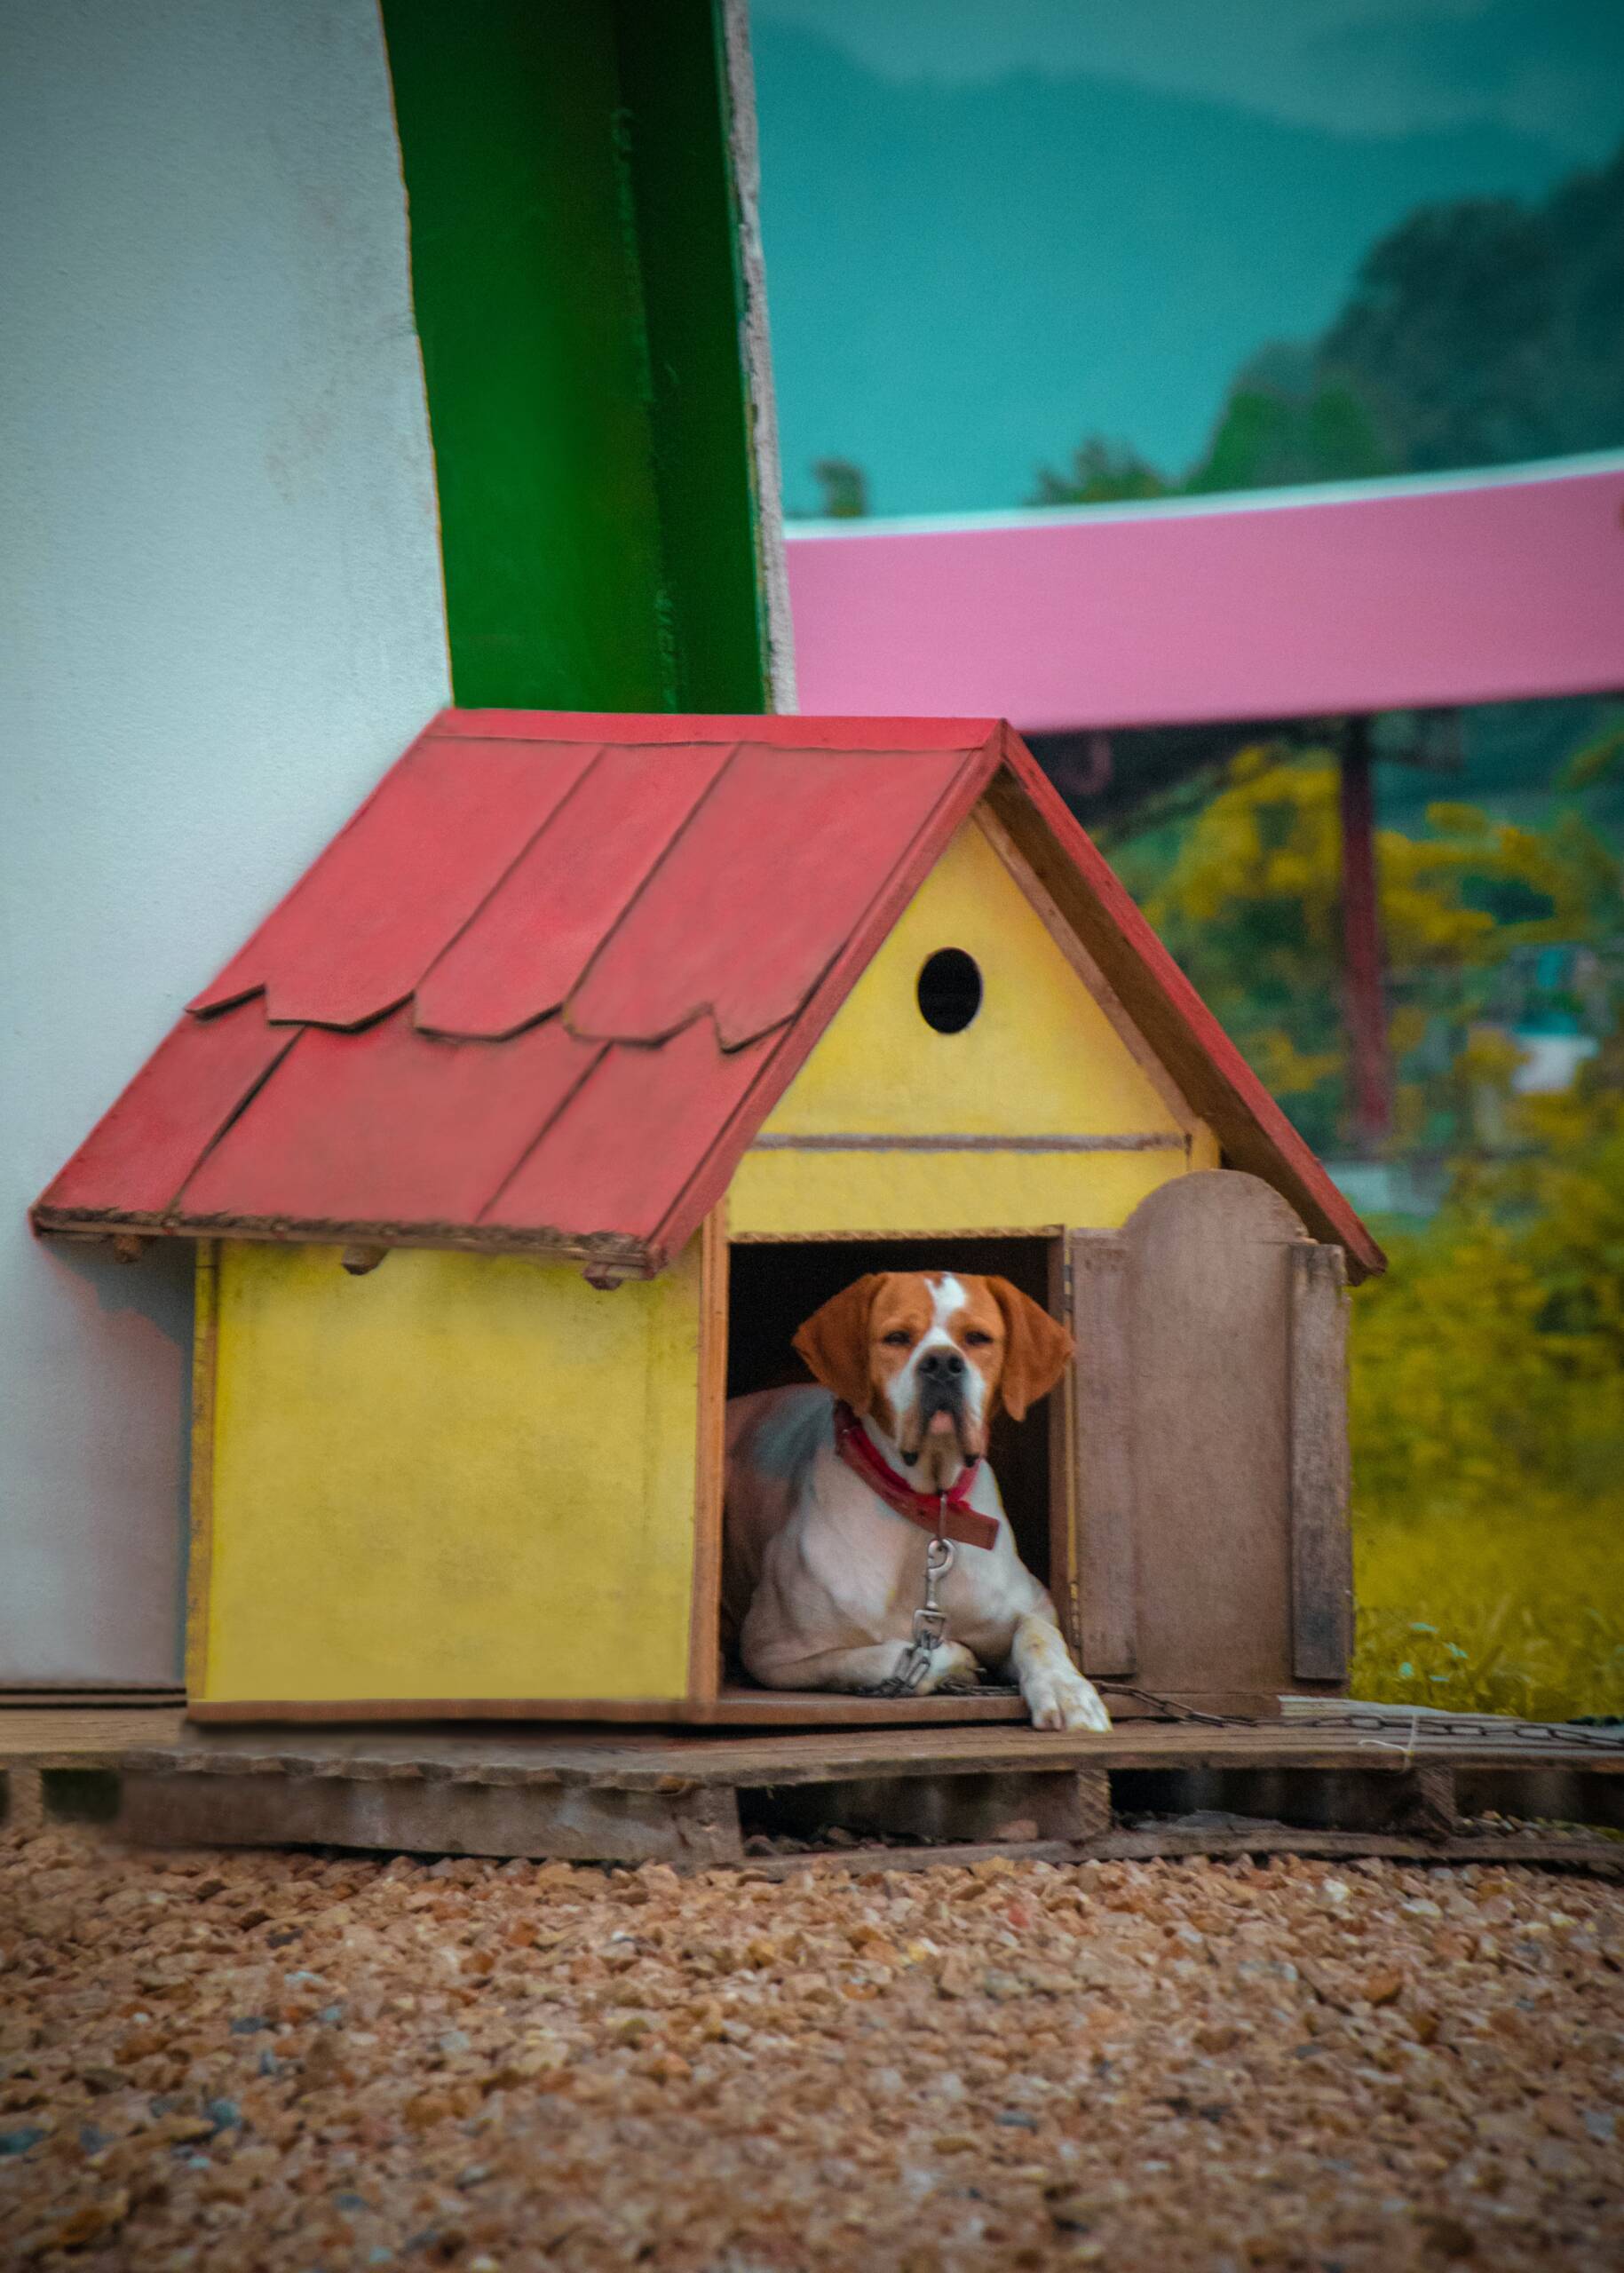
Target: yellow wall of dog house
<point>880,1195</point>
<point>1041,1058</point>
<point>460,1476</point>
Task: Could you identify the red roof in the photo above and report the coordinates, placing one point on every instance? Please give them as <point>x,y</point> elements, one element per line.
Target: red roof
<point>543,989</point>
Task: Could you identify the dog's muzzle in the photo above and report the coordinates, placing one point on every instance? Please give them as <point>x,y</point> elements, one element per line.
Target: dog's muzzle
<point>940,1401</point>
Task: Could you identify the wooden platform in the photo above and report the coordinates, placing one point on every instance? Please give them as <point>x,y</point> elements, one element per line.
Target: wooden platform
<point>61,1753</point>
<point>1326,1780</point>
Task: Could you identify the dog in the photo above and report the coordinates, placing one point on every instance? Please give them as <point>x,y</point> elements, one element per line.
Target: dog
<point>836,1494</point>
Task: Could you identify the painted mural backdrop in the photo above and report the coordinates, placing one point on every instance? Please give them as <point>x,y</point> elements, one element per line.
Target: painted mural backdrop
<point>1054,253</point>
<point>1062,248</point>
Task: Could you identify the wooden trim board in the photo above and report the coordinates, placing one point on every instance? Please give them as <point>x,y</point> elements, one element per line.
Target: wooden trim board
<point>875,1239</point>
<point>200,1548</point>
<point>1103,1454</point>
<point>320,1711</point>
<point>1137,1140</point>
<point>1322,1535</point>
<point>633,1759</point>
<point>705,1608</point>
<point>732,1708</point>
<point>1061,1422</point>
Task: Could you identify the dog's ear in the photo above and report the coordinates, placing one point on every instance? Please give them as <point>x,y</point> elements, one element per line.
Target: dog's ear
<point>1037,1351</point>
<point>834,1342</point>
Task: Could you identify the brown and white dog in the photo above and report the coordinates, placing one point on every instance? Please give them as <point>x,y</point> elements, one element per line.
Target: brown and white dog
<point>823,1575</point>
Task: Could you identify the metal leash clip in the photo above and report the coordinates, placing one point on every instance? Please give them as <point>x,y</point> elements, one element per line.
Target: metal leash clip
<point>930,1619</point>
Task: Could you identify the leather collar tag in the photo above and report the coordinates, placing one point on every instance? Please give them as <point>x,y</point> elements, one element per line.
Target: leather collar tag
<point>951,1518</point>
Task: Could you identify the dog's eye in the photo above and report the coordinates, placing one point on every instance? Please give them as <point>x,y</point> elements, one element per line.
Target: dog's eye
<point>977,1339</point>
<point>897,1338</point>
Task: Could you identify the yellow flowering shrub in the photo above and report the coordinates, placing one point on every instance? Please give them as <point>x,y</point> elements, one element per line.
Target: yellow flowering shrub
<point>1488,1431</point>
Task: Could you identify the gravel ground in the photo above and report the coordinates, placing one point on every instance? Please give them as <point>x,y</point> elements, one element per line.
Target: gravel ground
<point>297,2062</point>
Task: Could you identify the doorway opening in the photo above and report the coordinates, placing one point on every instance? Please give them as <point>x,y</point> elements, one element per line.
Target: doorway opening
<point>775,1285</point>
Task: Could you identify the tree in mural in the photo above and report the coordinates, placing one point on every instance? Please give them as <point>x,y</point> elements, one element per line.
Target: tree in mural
<point>1479,332</point>
<point>1251,904</point>
<point>845,488</point>
<point>1101,472</point>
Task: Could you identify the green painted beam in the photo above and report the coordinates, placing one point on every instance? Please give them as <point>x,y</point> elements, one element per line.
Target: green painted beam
<point>575,277</point>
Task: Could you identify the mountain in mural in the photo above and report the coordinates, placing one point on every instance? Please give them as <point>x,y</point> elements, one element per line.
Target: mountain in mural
<point>966,279</point>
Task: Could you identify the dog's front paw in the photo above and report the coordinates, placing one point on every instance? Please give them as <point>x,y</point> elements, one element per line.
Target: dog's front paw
<point>952,1667</point>
<point>1065,1699</point>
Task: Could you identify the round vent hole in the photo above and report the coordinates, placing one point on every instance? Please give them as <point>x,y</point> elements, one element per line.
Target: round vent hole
<point>949,990</point>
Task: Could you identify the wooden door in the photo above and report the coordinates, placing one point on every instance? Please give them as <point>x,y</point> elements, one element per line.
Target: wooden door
<point>1212,1557</point>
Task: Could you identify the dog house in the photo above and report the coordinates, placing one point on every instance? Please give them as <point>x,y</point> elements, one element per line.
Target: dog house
<point>588,1059</point>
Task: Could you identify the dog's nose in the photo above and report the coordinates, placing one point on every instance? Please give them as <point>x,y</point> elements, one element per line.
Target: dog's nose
<point>941,1365</point>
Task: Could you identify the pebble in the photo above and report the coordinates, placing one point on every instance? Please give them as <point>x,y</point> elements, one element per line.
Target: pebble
<point>509,2067</point>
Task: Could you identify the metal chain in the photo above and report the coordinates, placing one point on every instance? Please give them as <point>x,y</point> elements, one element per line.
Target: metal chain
<point>1172,1708</point>
<point>930,1619</point>
<point>1553,1736</point>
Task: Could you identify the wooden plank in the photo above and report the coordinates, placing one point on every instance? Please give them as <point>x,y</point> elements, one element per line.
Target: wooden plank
<point>1432,1807</point>
<point>772,858</point>
<point>730,1708</point>
<point>300,1712</point>
<point>1135,1140</point>
<point>650,1758</point>
<point>872,1237</point>
<point>629,1258</point>
<point>398,883</point>
<point>1060,1423</point>
<point>1279,1838</point>
<point>1591,1855</point>
<point>1321,1530</point>
<point>103,1696</point>
<point>788,1708</point>
<point>767,1863</point>
<point>22,1800</point>
<point>1209,1309</point>
<point>705,1615</point>
<point>390,1125</point>
<point>695,1829</point>
<point>530,943</point>
<point>1101,1392</point>
<point>93,1735</point>
<point>621,1154</point>
<point>141,1151</point>
<point>200,1549</point>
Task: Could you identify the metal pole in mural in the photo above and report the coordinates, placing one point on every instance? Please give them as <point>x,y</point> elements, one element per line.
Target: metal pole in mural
<point>1365,1008</point>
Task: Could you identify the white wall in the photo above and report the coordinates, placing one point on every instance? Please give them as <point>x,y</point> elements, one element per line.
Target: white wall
<point>220,616</point>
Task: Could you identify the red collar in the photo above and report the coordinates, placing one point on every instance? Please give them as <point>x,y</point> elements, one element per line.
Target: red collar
<point>945,1513</point>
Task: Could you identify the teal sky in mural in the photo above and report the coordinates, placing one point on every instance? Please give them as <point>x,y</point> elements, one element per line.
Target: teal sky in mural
<point>996,227</point>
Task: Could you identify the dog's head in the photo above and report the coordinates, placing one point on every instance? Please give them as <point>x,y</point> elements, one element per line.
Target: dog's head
<point>931,1355</point>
